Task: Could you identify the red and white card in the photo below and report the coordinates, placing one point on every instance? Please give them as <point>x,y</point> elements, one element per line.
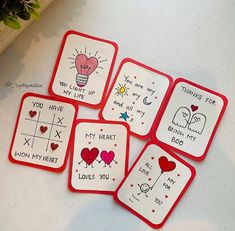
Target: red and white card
<point>155,184</point>
<point>190,119</point>
<point>136,97</point>
<point>100,156</point>
<point>42,133</point>
<point>83,68</point>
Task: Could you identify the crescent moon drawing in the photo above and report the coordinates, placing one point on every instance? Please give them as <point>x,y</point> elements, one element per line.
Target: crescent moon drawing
<point>145,101</point>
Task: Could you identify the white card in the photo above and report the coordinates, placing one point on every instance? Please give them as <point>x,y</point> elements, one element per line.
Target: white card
<point>100,156</point>
<point>136,97</point>
<point>191,118</point>
<point>83,68</point>
<point>42,132</point>
<point>154,185</point>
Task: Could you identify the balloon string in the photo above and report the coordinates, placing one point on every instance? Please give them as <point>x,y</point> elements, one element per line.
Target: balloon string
<point>157,180</point>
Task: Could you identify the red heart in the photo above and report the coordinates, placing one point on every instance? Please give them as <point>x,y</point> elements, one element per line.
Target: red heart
<point>166,196</point>
<point>43,129</point>
<point>89,155</point>
<point>32,113</point>
<point>84,65</point>
<point>165,164</point>
<point>54,146</point>
<point>107,157</point>
<point>194,108</point>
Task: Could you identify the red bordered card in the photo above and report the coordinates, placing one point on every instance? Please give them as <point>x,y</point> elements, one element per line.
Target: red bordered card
<point>155,184</point>
<point>99,159</point>
<point>42,133</point>
<point>137,95</point>
<point>83,69</point>
<point>190,119</point>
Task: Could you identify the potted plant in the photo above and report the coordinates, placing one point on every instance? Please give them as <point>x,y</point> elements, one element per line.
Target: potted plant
<point>15,15</point>
<point>13,10</point>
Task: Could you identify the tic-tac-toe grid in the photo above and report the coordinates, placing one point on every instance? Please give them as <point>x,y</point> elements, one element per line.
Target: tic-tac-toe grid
<point>52,124</point>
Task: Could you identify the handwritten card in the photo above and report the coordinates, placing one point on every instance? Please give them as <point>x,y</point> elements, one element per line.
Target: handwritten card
<point>42,133</point>
<point>154,185</point>
<point>100,156</point>
<point>191,119</point>
<point>136,96</point>
<point>83,68</point>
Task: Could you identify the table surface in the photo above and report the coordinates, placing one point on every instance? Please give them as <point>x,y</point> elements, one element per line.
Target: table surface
<point>193,39</point>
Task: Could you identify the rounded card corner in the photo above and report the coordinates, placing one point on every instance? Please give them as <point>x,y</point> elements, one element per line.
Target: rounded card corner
<point>50,88</point>
<point>11,158</point>
<point>125,125</point>
<point>127,60</point>
<point>96,106</point>
<point>142,137</point>
<point>70,33</point>
<point>170,79</point>
<point>100,114</point>
<point>60,168</point>
<point>193,172</point>
<point>180,79</point>
<point>28,94</point>
<point>115,46</point>
<point>225,100</point>
<point>70,186</point>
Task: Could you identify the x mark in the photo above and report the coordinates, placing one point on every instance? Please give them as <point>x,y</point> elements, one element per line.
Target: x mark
<point>60,120</point>
<point>27,141</point>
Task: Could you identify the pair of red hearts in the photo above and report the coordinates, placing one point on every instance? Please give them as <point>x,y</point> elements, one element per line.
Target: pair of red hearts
<point>89,156</point>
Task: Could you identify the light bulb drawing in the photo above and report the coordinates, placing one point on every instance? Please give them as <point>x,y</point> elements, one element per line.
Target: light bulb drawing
<point>85,65</point>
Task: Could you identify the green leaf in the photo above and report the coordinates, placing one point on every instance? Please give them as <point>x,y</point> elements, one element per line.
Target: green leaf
<point>38,2</point>
<point>18,7</point>
<point>34,5</point>
<point>12,22</point>
<point>24,15</point>
<point>34,13</point>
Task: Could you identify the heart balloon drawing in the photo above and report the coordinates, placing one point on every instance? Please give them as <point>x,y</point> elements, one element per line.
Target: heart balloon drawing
<point>89,156</point>
<point>85,67</point>
<point>165,164</point>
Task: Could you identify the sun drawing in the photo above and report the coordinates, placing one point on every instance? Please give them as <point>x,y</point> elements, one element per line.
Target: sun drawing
<point>121,90</point>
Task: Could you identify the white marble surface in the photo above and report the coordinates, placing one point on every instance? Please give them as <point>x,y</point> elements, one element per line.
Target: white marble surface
<point>194,39</point>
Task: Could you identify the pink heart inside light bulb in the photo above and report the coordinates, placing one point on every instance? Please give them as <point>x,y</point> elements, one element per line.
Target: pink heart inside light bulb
<point>84,65</point>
